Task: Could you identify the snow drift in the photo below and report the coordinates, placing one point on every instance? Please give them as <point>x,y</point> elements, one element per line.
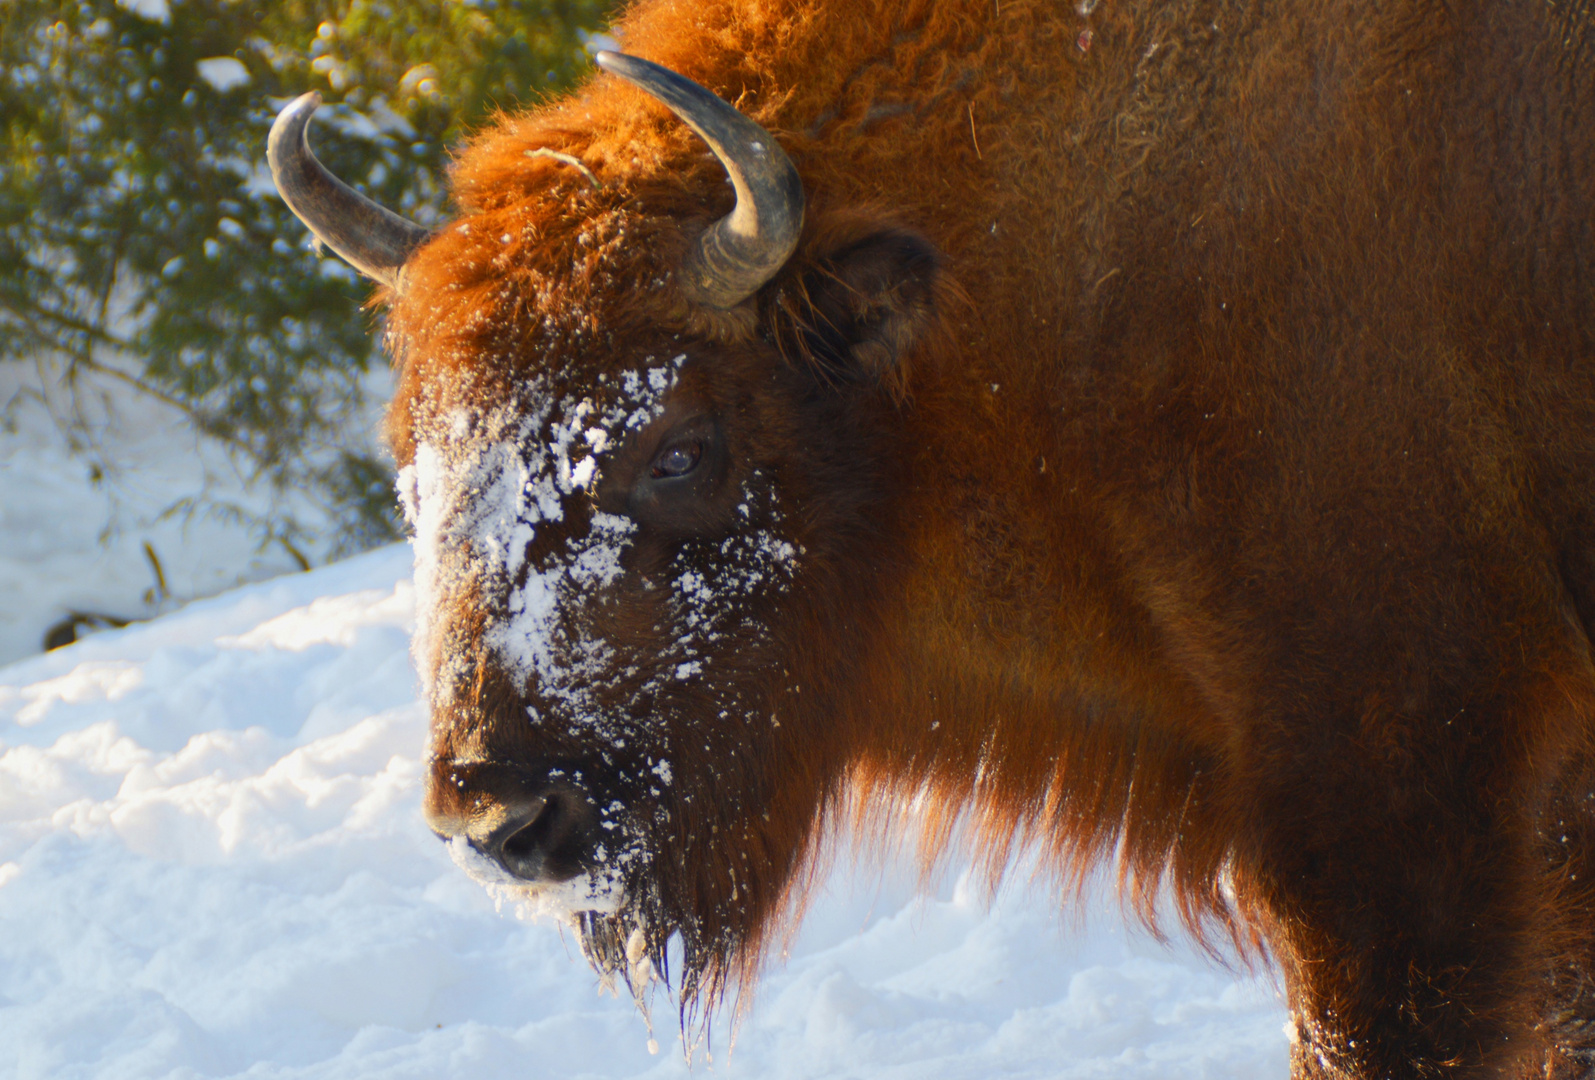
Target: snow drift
<point>213,864</point>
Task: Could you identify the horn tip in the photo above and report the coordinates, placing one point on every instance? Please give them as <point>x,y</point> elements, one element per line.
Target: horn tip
<point>634,69</point>
<point>307,102</point>
<point>292,120</point>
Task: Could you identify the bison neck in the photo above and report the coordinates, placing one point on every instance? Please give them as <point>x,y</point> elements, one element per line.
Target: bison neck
<point>1226,381</point>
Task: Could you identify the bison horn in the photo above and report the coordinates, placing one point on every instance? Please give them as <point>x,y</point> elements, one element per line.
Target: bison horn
<point>744,249</point>
<point>373,239</point>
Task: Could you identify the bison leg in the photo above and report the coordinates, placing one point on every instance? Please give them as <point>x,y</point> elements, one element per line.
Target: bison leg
<point>1411,928</point>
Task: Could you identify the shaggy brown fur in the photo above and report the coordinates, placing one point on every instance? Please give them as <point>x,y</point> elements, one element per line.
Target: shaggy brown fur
<point>1188,429</point>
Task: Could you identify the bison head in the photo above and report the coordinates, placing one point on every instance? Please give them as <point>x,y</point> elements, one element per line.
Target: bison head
<point>647,449</point>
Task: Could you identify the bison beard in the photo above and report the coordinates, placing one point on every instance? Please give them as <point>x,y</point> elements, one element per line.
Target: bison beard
<point>1173,452</point>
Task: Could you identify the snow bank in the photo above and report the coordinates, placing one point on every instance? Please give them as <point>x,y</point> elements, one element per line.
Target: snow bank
<point>212,864</point>
<point>73,540</point>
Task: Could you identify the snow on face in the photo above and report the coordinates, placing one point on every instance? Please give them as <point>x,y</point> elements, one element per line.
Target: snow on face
<point>478,491</point>
<point>475,496</point>
<point>596,892</point>
<point>481,485</point>
<point>711,600</point>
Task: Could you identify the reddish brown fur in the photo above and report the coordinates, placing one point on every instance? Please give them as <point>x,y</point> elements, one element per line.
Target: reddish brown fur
<point>1222,502</point>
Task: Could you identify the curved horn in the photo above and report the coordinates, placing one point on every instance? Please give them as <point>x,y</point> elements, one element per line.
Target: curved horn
<point>370,237</point>
<point>744,249</point>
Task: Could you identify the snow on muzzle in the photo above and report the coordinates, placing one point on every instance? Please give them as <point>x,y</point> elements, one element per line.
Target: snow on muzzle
<point>539,825</point>
<point>486,491</point>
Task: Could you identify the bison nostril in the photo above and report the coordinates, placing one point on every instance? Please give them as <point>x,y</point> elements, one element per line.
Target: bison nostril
<point>536,822</point>
<point>528,846</point>
<point>551,839</point>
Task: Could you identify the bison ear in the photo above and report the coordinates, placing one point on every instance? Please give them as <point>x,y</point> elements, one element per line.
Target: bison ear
<point>859,312</point>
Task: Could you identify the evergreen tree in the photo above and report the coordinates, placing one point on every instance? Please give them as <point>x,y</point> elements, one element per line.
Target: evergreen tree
<point>141,239</point>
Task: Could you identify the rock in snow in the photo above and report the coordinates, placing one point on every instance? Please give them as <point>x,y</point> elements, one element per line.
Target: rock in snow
<point>213,864</point>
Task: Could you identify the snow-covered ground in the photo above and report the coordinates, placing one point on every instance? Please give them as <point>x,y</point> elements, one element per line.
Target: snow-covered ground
<point>79,504</point>
<point>212,863</point>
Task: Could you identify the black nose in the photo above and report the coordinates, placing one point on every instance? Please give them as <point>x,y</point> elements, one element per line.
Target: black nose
<point>538,824</point>
<point>548,836</point>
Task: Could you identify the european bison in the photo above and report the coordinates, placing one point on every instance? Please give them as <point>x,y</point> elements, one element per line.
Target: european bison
<point>1159,430</point>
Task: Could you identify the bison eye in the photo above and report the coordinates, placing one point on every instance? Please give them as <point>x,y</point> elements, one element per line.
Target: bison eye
<point>678,460</point>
